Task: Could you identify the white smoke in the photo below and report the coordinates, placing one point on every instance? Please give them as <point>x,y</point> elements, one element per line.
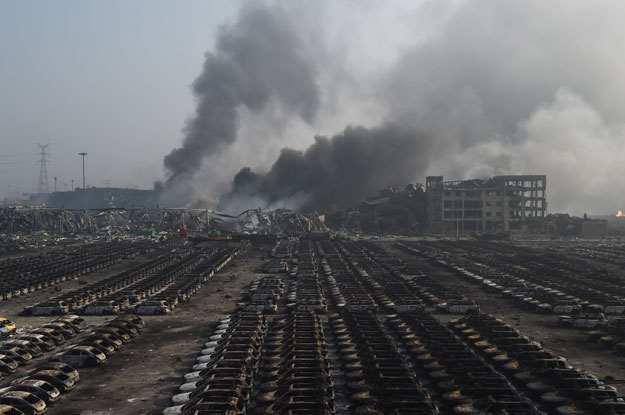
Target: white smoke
<point>569,141</point>
<point>528,87</point>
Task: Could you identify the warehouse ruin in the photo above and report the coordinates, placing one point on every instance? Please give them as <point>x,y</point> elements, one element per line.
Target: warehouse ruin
<point>498,204</point>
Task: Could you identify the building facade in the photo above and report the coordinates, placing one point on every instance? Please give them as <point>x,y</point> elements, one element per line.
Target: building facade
<point>498,204</point>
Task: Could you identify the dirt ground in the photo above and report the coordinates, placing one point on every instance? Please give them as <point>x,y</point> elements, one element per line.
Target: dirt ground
<point>142,377</point>
<point>567,342</point>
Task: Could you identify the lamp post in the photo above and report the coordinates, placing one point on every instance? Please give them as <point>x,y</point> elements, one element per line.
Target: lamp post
<point>84,199</point>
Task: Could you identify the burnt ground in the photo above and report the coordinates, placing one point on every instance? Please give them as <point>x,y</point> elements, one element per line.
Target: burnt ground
<point>142,376</point>
<point>570,343</point>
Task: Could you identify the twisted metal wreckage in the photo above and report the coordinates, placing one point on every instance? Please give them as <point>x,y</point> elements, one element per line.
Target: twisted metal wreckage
<point>119,220</point>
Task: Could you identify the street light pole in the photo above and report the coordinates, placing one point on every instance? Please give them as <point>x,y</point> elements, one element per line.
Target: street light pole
<point>84,199</point>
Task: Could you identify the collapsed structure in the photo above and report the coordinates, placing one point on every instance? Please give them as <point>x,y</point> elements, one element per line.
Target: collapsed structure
<point>26,220</point>
<point>498,204</point>
<point>392,210</point>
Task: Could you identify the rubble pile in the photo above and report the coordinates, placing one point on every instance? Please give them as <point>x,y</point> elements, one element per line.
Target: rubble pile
<point>394,211</point>
<point>27,220</point>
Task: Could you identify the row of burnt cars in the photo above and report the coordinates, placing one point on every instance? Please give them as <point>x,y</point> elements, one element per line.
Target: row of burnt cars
<point>302,292</point>
<point>20,349</point>
<point>222,380</point>
<point>549,380</point>
<point>388,281</point>
<point>294,371</point>
<point>265,358</point>
<point>379,379</point>
<point>263,295</point>
<point>252,364</point>
<point>408,363</point>
<point>305,293</point>
<point>459,380</point>
<point>282,366</point>
<point>285,248</point>
<point>610,335</point>
<point>610,253</point>
<point>153,287</point>
<point>535,282</point>
<point>22,275</point>
<point>31,392</point>
<point>528,370</point>
<point>363,360</point>
<point>71,301</point>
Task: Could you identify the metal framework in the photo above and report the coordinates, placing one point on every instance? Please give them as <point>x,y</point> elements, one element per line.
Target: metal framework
<point>43,170</point>
<point>120,220</point>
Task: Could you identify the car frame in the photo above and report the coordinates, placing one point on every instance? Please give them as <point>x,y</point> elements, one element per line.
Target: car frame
<point>61,380</point>
<point>27,402</point>
<point>80,356</point>
<point>8,365</point>
<point>18,354</point>
<point>62,367</point>
<point>42,389</point>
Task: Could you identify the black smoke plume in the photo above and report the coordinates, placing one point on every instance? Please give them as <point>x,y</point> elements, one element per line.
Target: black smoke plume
<point>333,173</point>
<point>256,60</point>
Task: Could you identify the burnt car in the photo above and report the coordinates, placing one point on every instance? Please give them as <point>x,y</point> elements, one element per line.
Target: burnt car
<point>52,334</point>
<point>62,367</point>
<point>7,364</point>
<point>18,354</point>
<point>30,347</point>
<point>26,402</point>
<point>62,327</point>
<point>80,356</point>
<point>42,389</point>
<point>60,380</point>
<point>44,343</point>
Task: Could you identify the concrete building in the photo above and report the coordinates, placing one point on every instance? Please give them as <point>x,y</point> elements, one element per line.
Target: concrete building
<point>498,204</point>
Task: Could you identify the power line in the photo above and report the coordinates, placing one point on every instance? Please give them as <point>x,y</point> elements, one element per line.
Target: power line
<point>16,155</point>
<point>14,168</point>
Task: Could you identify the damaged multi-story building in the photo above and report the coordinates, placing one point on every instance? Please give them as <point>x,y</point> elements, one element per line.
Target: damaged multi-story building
<point>498,204</point>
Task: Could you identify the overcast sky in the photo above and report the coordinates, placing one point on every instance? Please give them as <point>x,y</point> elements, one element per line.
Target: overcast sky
<point>112,78</point>
<point>496,87</point>
<point>107,77</point>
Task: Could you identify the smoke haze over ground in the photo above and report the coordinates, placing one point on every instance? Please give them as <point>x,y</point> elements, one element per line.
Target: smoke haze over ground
<point>472,89</point>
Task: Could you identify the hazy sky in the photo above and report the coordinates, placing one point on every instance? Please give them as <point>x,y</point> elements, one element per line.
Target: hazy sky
<point>112,78</point>
<point>493,87</point>
<point>107,77</point>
